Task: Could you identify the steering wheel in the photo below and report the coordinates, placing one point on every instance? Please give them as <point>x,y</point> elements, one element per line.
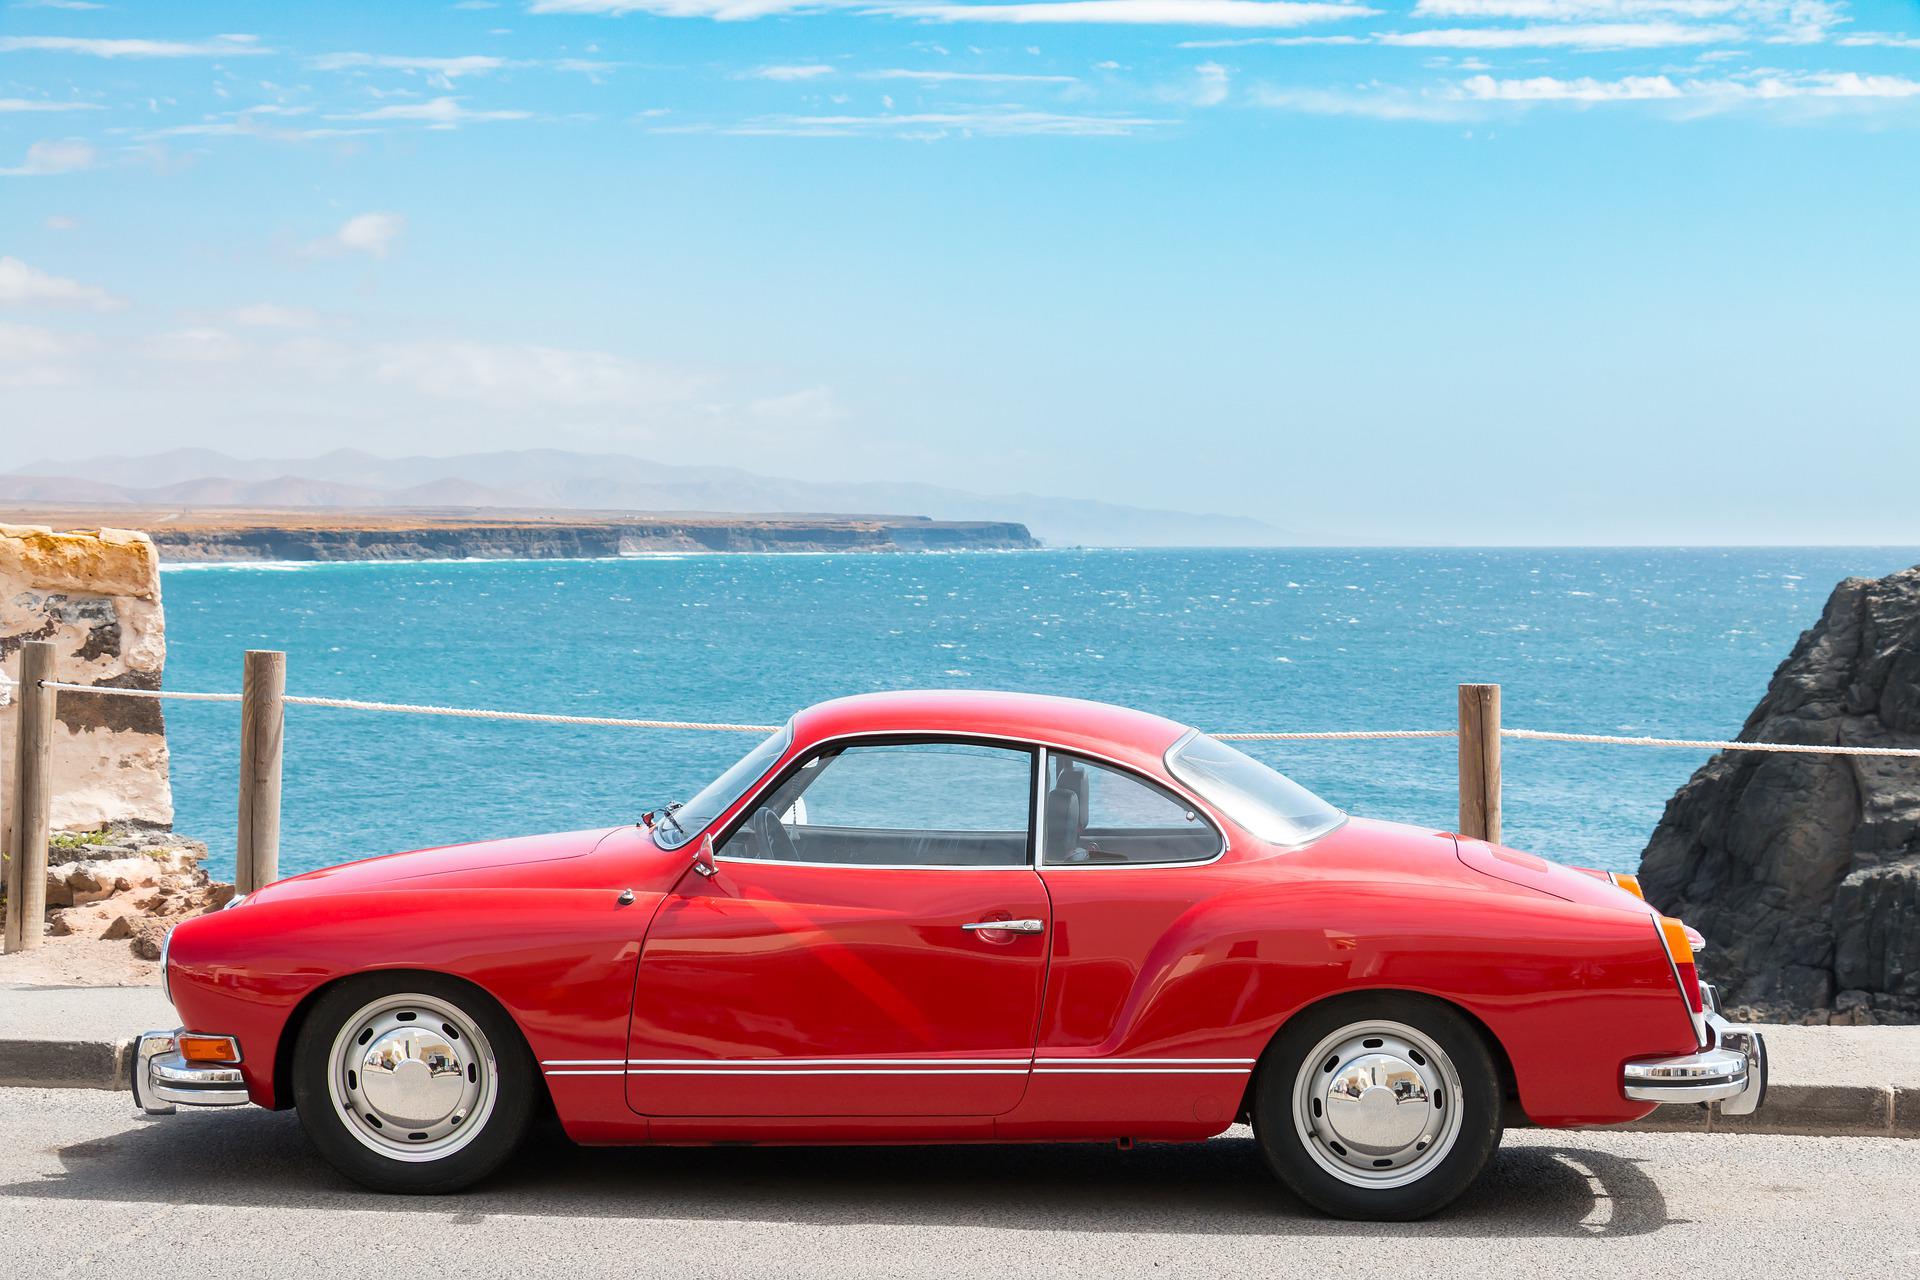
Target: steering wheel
<point>775,841</point>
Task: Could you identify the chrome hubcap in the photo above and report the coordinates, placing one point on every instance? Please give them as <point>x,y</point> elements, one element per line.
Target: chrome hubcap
<point>412,1076</point>
<point>1377,1104</point>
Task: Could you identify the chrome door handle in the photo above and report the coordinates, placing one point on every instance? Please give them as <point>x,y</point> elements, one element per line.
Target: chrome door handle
<point>1008,926</point>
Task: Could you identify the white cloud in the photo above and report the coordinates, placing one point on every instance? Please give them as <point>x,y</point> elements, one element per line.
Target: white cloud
<point>1212,90</point>
<point>1830,84</point>
<point>23,285</point>
<point>31,356</point>
<point>1584,89</point>
<point>532,374</point>
<point>796,71</point>
<point>1007,122</point>
<point>368,233</point>
<point>76,6</point>
<point>719,10</point>
<point>446,68</point>
<point>25,342</point>
<point>1707,94</point>
<point>273,315</point>
<point>1563,10</point>
<point>815,405</point>
<point>1181,13</point>
<point>61,222</point>
<point>1281,42</point>
<point>200,345</point>
<point>436,113</point>
<point>964,77</point>
<point>218,47</point>
<point>1371,101</point>
<point>9,105</point>
<point>65,155</point>
<point>1867,39</point>
<point>1598,35</point>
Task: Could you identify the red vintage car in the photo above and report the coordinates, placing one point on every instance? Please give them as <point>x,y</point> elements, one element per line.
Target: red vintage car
<point>955,917</point>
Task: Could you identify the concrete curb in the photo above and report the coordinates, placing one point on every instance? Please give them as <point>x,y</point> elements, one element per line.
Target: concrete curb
<point>66,1064</point>
<point>1831,1110</point>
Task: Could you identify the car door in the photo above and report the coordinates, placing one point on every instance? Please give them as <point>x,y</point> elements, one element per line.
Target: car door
<point>843,958</point>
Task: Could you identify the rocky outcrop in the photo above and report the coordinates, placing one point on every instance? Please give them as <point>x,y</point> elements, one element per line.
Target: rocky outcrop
<point>127,882</point>
<point>96,596</point>
<point>1804,871</point>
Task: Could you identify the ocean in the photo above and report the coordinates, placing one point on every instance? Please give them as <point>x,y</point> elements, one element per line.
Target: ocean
<point>1664,642</point>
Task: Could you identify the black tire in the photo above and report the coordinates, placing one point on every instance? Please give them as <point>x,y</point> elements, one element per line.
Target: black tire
<point>1304,1150</point>
<point>349,1132</point>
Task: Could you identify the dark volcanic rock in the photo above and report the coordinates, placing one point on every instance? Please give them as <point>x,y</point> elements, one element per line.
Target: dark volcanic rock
<point>1804,871</point>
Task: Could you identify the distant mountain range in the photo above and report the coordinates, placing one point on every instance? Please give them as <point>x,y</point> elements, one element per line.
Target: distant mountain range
<point>553,479</point>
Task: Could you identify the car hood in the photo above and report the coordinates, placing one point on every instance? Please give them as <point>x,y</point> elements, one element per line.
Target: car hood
<point>447,860</point>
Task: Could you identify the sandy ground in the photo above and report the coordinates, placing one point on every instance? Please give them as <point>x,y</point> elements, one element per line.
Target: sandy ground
<point>78,962</point>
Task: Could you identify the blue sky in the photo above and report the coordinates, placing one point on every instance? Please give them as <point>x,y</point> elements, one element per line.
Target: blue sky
<point>1415,270</point>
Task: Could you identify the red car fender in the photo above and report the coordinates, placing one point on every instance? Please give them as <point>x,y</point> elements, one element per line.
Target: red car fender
<point>1568,991</point>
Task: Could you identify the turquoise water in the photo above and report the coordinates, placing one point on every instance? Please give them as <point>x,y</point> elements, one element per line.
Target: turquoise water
<point>1662,642</point>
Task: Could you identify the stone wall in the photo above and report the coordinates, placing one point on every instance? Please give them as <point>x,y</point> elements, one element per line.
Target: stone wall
<point>96,596</point>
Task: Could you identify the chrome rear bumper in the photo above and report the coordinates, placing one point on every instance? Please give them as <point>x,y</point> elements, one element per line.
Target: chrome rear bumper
<point>163,1080</point>
<point>1731,1072</point>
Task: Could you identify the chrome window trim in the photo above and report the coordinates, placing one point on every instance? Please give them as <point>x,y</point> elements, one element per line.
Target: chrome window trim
<point>1219,829</point>
<point>729,822</point>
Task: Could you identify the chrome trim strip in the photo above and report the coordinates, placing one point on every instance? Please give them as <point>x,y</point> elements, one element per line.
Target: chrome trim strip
<point>1021,1061</point>
<point>1145,1071</point>
<point>894,1066</point>
<point>583,1062</point>
<point>828,1071</point>
<point>1145,1062</point>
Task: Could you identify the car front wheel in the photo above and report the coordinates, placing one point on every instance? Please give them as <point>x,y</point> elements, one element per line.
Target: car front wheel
<point>1381,1107</point>
<point>412,1082</point>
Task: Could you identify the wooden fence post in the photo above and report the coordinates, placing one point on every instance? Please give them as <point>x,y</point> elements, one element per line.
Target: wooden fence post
<point>1480,761</point>
<point>32,801</point>
<point>262,723</point>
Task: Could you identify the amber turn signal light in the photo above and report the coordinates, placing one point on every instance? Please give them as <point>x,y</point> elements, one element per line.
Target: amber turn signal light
<point>1630,883</point>
<point>195,1048</point>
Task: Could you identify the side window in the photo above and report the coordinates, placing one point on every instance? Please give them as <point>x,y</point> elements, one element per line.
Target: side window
<point>920,804</point>
<point>1098,814</point>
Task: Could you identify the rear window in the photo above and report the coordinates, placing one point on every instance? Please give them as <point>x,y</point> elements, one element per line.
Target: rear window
<point>1265,801</point>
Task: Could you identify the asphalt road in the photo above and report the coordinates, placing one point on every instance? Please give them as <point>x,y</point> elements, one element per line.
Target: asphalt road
<point>89,1186</point>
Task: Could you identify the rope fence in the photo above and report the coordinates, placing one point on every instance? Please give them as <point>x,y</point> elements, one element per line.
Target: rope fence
<point>263,701</point>
<point>1338,735</point>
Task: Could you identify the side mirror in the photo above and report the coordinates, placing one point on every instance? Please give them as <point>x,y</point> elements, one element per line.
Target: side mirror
<point>703,856</point>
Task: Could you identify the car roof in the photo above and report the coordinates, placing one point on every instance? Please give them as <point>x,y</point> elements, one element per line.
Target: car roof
<point>1122,733</point>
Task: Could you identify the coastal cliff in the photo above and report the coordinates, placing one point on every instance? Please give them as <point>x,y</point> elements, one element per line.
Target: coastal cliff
<point>1804,871</point>
<point>232,535</point>
<point>95,595</point>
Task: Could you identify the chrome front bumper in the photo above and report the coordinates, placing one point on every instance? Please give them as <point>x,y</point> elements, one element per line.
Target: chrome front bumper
<point>1731,1072</point>
<point>163,1080</point>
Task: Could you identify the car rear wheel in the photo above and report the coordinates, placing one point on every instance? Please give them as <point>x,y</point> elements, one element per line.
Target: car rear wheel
<point>412,1082</point>
<point>1381,1107</point>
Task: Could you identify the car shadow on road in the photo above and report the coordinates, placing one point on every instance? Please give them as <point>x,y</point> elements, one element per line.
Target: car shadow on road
<point>256,1159</point>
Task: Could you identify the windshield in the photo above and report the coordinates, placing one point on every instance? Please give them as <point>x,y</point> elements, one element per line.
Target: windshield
<point>693,817</point>
<point>1267,803</point>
